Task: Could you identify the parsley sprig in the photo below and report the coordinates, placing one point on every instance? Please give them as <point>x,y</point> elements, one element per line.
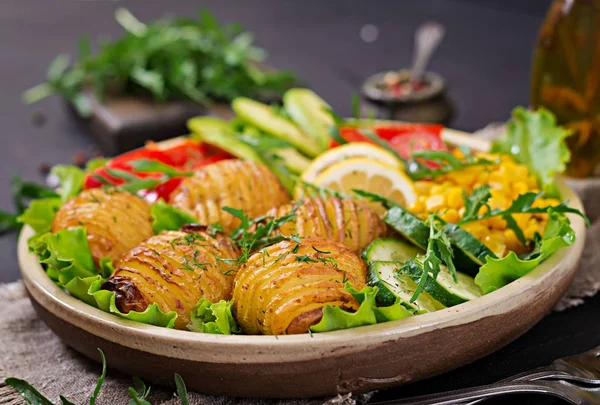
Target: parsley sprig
<point>168,59</point>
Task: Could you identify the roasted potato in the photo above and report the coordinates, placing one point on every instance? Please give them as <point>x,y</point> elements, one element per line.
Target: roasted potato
<point>175,269</point>
<point>344,220</point>
<point>283,288</point>
<point>230,183</point>
<point>115,221</point>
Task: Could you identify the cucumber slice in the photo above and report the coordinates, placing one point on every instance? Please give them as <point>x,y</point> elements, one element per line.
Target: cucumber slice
<point>443,288</point>
<point>263,117</point>
<point>408,225</point>
<point>308,111</point>
<point>469,252</point>
<point>390,250</point>
<point>218,132</point>
<point>392,285</point>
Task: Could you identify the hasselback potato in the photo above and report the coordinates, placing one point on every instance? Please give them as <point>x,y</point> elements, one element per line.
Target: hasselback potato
<point>115,221</point>
<point>344,220</point>
<point>230,183</point>
<point>175,269</point>
<point>283,288</point>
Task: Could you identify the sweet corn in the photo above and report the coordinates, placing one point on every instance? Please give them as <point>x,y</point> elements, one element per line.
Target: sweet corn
<point>507,179</point>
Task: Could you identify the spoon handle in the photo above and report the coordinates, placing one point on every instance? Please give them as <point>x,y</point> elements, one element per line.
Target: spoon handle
<point>427,38</point>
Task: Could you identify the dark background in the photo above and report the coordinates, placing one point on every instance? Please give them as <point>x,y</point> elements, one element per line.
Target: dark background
<point>485,58</point>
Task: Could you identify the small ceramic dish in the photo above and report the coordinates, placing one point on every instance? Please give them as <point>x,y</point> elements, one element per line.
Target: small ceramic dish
<point>352,360</point>
<point>372,88</point>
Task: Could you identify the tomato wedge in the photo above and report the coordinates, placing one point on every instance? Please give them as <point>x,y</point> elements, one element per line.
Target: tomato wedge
<point>404,139</point>
<point>184,156</point>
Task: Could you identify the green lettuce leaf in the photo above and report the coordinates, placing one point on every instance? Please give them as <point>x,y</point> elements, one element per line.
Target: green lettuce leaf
<point>534,139</point>
<point>40,213</point>
<point>335,318</point>
<point>71,180</point>
<point>168,218</point>
<point>66,254</point>
<point>214,318</point>
<point>497,273</point>
<point>88,290</point>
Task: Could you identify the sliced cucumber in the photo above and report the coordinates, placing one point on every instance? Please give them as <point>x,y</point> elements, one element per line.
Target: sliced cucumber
<point>218,133</point>
<point>408,225</point>
<point>443,288</point>
<point>390,250</point>
<point>308,111</point>
<point>469,252</point>
<point>263,117</point>
<point>392,285</point>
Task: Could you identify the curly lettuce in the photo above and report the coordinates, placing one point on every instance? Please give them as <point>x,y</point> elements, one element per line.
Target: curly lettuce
<point>368,313</point>
<point>68,261</point>
<point>214,318</point>
<point>534,139</point>
<point>497,273</point>
<point>169,218</point>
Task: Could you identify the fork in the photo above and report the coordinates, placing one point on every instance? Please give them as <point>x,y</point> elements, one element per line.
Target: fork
<point>575,379</point>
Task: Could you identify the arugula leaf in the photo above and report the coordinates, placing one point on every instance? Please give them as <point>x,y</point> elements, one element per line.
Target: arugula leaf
<point>169,218</point>
<point>446,161</point>
<point>154,166</point>
<point>534,139</point>
<point>181,390</point>
<point>496,273</point>
<point>385,145</point>
<point>478,198</point>
<point>368,313</point>
<point>214,318</point>
<point>100,379</point>
<point>312,190</point>
<point>71,180</point>
<point>386,202</point>
<point>28,392</point>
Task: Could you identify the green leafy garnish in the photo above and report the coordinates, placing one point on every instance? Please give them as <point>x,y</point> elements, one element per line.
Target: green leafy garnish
<point>168,59</point>
<point>445,161</point>
<point>214,318</point>
<point>71,180</point>
<point>181,390</point>
<point>169,218</point>
<point>521,205</point>
<point>496,273</point>
<point>534,139</point>
<point>384,144</point>
<point>312,190</point>
<point>40,214</point>
<point>478,198</point>
<point>439,251</point>
<point>100,380</point>
<point>369,313</point>
<point>138,393</point>
<point>154,166</point>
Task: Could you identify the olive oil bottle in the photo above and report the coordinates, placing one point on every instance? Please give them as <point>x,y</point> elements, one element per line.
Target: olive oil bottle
<point>566,78</point>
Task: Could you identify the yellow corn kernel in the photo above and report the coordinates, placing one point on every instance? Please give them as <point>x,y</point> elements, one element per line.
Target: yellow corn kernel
<point>435,202</point>
<point>451,215</point>
<point>495,242</point>
<point>455,198</point>
<point>423,187</point>
<point>418,206</point>
<point>437,189</point>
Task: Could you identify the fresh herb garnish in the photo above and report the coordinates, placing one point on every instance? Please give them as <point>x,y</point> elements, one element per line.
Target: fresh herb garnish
<point>181,390</point>
<point>312,190</point>
<point>478,198</point>
<point>176,58</point>
<point>445,161</point>
<point>306,259</point>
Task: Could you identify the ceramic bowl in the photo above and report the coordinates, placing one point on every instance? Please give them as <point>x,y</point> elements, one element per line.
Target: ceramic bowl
<point>353,360</point>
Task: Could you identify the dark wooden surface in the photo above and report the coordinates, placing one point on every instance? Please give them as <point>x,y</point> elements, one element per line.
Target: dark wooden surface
<point>485,59</point>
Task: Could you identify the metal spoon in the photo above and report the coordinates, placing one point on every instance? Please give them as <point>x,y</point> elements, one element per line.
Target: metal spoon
<point>427,38</point>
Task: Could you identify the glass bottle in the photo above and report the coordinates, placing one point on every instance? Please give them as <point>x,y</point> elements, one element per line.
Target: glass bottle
<point>566,77</point>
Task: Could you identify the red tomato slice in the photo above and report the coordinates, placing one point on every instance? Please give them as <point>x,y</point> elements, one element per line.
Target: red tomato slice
<point>404,139</point>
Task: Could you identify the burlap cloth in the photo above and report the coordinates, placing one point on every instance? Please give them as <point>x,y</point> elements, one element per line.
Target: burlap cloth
<point>29,350</point>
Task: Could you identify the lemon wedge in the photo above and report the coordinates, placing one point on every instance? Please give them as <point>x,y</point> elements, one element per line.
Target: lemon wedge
<point>342,153</point>
<point>369,175</point>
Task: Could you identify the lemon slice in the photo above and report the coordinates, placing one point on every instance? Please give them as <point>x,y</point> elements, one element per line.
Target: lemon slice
<point>344,152</point>
<point>369,175</point>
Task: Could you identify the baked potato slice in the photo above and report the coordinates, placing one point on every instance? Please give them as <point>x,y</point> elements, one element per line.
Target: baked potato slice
<point>239,184</point>
<point>348,221</point>
<point>175,269</point>
<point>115,221</point>
<point>282,289</point>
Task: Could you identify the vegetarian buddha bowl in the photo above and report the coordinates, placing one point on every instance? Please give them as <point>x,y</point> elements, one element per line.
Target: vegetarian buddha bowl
<point>366,254</point>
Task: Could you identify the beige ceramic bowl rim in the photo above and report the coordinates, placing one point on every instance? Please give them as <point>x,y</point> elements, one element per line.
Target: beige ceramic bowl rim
<point>265,349</point>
